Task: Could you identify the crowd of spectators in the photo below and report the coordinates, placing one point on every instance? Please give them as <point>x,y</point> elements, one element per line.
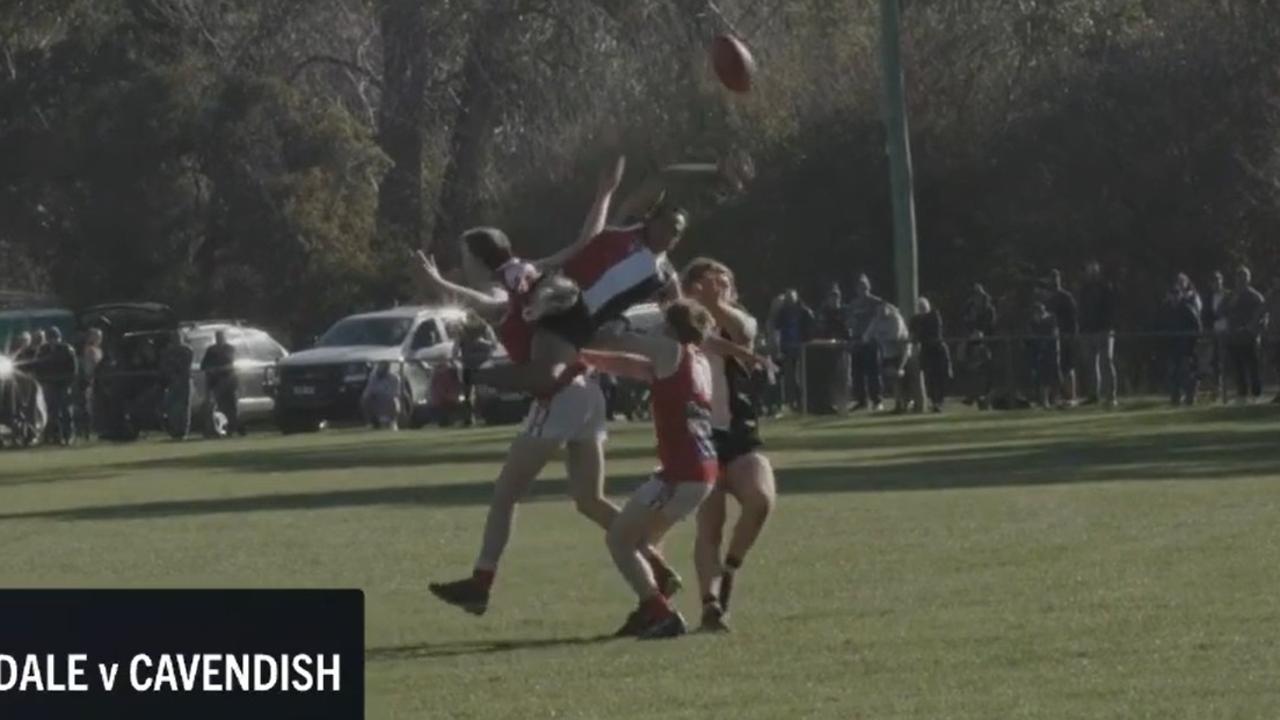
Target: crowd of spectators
<point>1065,342</point>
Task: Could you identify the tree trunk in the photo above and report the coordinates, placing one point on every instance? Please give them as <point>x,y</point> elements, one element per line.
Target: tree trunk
<point>458,206</point>
<point>401,122</point>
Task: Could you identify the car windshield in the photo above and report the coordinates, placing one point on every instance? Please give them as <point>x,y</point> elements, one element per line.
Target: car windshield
<point>384,332</point>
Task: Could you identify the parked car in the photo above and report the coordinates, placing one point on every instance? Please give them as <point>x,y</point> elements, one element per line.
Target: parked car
<point>257,355</point>
<point>325,383</point>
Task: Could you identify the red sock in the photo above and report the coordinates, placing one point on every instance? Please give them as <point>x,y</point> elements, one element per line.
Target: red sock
<point>484,577</point>
<point>656,606</point>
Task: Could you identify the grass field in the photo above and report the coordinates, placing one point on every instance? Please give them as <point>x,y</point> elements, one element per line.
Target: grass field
<point>1012,565</point>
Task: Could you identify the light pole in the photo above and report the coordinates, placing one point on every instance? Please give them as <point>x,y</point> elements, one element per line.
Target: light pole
<point>899,148</point>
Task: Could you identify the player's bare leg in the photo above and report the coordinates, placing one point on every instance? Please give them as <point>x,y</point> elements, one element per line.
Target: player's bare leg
<point>750,479</point>
<point>711,518</point>
<point>526,458</point>
<point>638,524</point>
<point>584,466</point>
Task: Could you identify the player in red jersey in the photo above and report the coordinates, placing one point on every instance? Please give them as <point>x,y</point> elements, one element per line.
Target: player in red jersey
<point>572,417</point>
<point>600,277</point>
<point>745,473</point>
<point>680,392</point>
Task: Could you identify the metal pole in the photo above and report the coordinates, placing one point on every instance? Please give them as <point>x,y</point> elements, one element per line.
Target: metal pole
<point>899,148</point>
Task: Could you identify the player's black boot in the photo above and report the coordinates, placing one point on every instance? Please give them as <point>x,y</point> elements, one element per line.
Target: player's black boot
<point>713,618</point>
<point>469,594</point>
<point>632,626</point>
<point>663,626</point>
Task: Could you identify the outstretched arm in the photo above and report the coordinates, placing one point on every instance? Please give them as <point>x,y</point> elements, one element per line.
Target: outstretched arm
<point>734,171</point>
<point>596,217</point>
<point>636,367</point>
<point>488,305</point>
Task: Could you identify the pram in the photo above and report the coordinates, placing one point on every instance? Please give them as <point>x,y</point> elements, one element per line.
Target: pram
<point>23,413</point>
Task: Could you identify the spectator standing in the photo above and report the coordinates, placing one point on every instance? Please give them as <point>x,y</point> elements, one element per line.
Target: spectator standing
<point>888,331</point>
<point>866,358</point>
<point>56,367</point>
<point>979,321</point>
<point>380,400</point>
<point>1213,320</point>
<point>794,324</point>
<point>90,359</point>
<point>223,387</point>
<point>1246,317</point>
<point>1183,312</point>
<point>1273,328</point>
<point>473,349</point>
<point>1044,354</point>
<point>831,316</point>
<point>1062,304</point>
<point>175,366</point>
<point>20,347</point>
<point>1098,335</point>
<point>935,358</point>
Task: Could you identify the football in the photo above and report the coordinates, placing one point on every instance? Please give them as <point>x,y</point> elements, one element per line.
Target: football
<point>733,63</point>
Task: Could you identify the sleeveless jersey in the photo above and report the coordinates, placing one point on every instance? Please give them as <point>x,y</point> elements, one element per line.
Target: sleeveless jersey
<point>681,405</point>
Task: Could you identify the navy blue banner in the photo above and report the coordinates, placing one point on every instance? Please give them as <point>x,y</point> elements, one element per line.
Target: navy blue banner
<point>167,654</point>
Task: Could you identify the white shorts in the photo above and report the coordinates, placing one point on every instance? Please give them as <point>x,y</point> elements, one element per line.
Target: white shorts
<point>676,501</point>
<point>575,414</point>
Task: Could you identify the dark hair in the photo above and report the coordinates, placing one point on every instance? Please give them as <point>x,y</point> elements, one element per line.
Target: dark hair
<point>690,321</point>
<point>699,268</point>
<point>489,245</point>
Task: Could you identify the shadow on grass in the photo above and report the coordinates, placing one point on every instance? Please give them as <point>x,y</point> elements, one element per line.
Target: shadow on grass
<point>481,647</point>
<point>1220,454</point>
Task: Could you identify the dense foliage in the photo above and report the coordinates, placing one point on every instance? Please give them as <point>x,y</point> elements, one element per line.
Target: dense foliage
<point>277,159</point>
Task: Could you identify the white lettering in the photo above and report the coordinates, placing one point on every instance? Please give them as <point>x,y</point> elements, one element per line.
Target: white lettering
<point>238,672</point>
<point>75,673</point>
<point>8,673</point>
<point>188,672</point>
<point>166,674</point>
<point>333,672</point>
<point>211,672</point>
<point>108,676</point>
<point>300,667</point>
<point>31,675</point>
<point>138,684</point>
<point>258,684</point>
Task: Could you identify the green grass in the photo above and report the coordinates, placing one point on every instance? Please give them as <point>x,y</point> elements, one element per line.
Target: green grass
<point>1010,565</point>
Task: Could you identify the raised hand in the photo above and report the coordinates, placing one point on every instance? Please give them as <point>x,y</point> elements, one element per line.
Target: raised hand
<point>429,268</point>
<point>611,176</point>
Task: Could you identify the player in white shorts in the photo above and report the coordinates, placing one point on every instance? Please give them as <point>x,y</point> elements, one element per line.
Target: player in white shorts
<point>573,417</point>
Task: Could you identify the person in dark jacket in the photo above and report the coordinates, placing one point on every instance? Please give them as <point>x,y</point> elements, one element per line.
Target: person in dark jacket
<point>1062,305</point>
<point>1044,354</point>
<point>979,322</point>
<point>219,366</point>
<point>1182,317</point>
<point>831,317</point>
<point>794,326</point>
<point>935,358</point>
<point>865,360</point>
<point>1098,335</point>
<point>57,372</point>
<point>175,366</point>
<point>1246,318</point>
<point>1213,320</point>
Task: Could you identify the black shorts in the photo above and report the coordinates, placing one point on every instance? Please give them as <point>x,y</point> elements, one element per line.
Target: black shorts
<point>574,325</point>
<point>734,443</point>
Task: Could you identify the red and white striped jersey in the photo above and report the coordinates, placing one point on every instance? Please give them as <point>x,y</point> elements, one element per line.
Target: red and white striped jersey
<point>616,270</point>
